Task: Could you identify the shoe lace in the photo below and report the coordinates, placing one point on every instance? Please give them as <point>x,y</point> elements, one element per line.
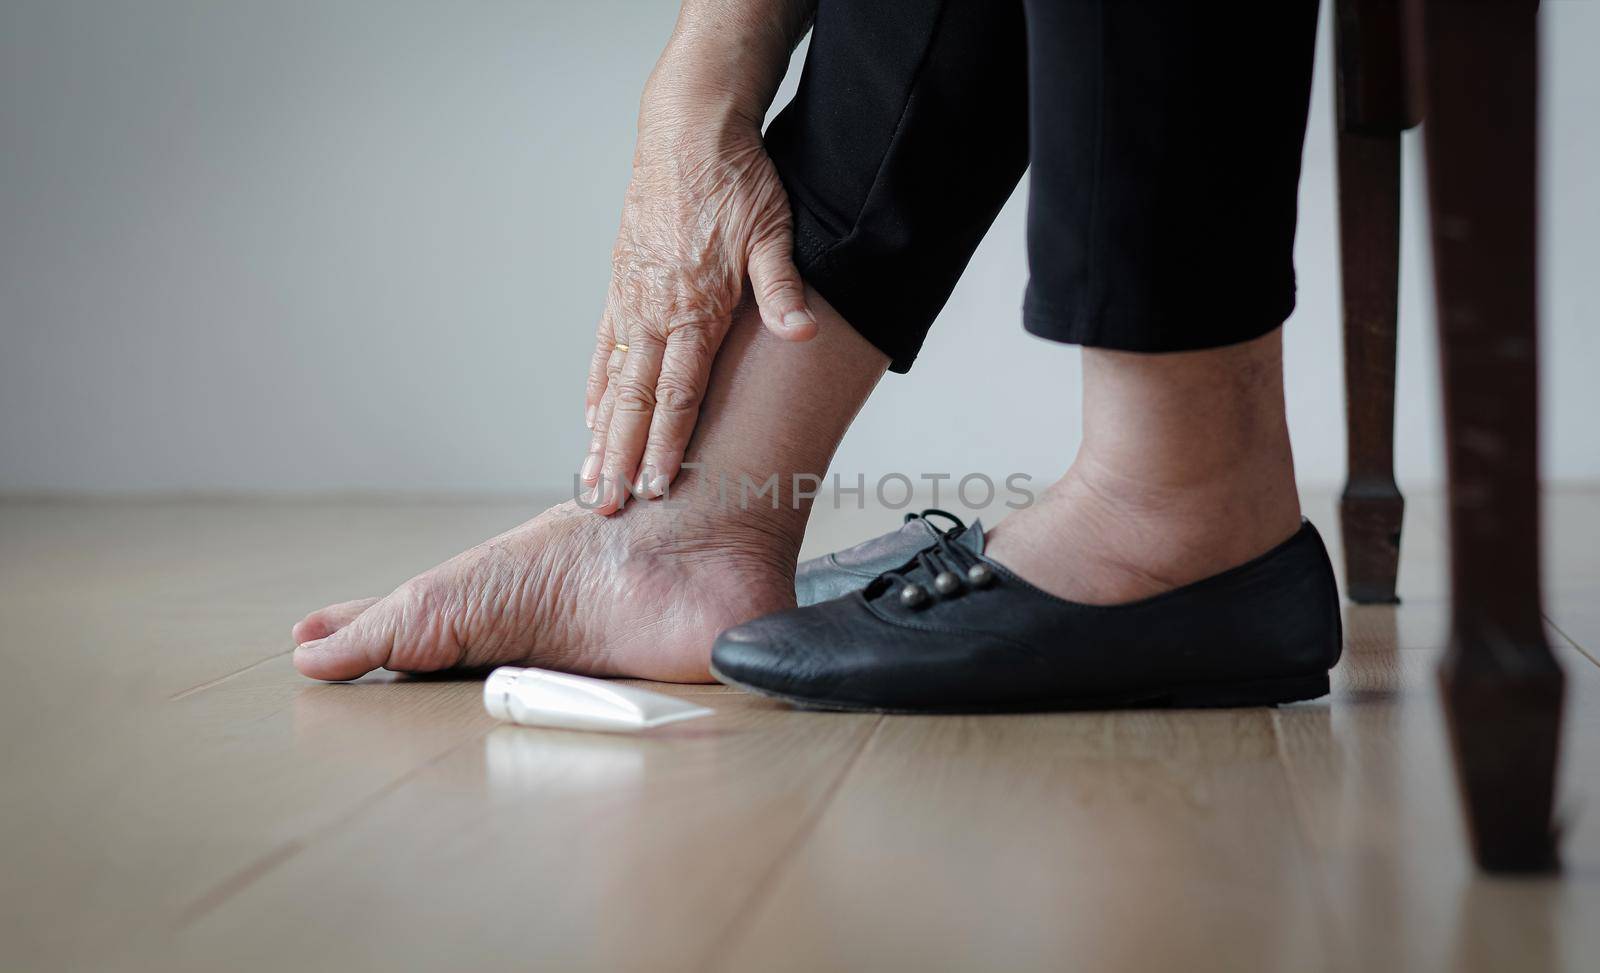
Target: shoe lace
<point>944,561</point>
<point>931,512</point>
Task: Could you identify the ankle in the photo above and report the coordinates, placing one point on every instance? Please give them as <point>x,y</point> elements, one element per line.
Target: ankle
<point>1102,536</point>
<point>1233,506</point>
<point>1257,484</point>
<point>700,523</point>
<point>1187,421</point>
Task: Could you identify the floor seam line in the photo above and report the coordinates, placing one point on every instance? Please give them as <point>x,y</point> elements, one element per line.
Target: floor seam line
<point>219,893</point>
<point>1327,913</point>
<point>202,687</point>
<point>1550,621</point>
<point>728,936</point>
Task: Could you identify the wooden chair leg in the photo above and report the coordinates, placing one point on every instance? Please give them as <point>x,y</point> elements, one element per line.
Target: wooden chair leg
<point>1371,507</point>
<point>1372,113</point>
<point>1502,688</point>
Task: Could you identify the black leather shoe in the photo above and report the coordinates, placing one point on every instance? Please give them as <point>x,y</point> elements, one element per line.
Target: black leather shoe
<point>952,631</point>
<point>832,575</point>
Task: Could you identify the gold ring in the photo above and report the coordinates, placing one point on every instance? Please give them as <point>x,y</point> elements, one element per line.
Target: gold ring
<point>620,346</point>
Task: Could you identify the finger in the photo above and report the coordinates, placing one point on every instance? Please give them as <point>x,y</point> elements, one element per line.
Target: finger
<point>780,294</point>
<point>590,471</point>
<point>633,403</point>
<point>685,373</point>
<point>325,621</point>
<point>604,341</point>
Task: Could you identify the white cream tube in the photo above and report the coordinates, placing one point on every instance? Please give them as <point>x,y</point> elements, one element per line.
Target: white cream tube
<point>539,697</point>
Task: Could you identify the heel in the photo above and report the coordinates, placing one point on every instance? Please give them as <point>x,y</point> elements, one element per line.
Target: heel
<point>1263,692</point>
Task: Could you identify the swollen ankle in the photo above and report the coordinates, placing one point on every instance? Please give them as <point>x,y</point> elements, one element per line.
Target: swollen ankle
<point>698,525</point>
<point>1101,538</point>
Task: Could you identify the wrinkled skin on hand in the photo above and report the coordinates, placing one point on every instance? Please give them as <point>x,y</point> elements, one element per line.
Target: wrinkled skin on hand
<point>705,210</point>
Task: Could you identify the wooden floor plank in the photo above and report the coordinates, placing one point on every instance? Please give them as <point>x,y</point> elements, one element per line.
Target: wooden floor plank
<point>1139,840</point>
<point>131,821</point>
<point>549,849</point>
<point>1375,787</point>
<point>1571,536</point>
<point>1577,619</point>
<point>1375,790</point>
<point>178,797</point>
<point>157,597</point>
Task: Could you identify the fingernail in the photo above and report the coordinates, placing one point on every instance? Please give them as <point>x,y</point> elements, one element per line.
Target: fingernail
<point>591,467</point>
<point>798,319</point>
<point>310,646</point>
<point>641,486</point>
<point>658,486</point>
<point>588,417</point>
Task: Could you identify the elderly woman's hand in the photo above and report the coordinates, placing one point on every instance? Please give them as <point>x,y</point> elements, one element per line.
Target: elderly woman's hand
<point>704,211</point>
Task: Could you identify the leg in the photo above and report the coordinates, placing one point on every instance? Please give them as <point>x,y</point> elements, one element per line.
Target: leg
<point>1161,225</point>
<point>908,133</point>
<point>1184,471</point>
<point>898,103</point>
<point>1160,235</point>
<point>1502,688</point>
<point>645,592</point>
<point>1174,567</point>
<point>1370,119</point>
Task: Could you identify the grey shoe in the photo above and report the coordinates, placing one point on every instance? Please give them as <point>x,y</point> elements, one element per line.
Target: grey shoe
<point>827,577</point>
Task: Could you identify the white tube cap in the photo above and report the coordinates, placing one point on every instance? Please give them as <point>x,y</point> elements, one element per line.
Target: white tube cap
<point>497,690</point>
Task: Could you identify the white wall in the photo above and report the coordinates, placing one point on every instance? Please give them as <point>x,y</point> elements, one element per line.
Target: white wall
<point>299,245</point>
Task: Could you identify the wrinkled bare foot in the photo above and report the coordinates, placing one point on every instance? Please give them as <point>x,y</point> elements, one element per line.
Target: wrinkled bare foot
<point>637,595</point>
<point>643,593</point>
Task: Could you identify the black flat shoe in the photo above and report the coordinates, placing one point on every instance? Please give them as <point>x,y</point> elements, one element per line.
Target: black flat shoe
<point>827,577</point>
<point>952,631</point>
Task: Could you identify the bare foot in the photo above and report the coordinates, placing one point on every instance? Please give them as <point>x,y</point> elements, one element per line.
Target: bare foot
<point>642,594</point>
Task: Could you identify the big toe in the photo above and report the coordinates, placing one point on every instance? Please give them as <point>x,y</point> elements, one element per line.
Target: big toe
<point>352,651</point>
<point>325,621</point>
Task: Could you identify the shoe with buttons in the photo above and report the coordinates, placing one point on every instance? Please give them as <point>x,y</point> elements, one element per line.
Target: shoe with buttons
<point>950,630</point>
<point>839,573</point>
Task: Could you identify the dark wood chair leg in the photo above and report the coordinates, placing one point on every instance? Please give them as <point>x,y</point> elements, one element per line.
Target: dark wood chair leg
<point>1371,507</point>
<point>1371,115</point>
<point>1502,688</point>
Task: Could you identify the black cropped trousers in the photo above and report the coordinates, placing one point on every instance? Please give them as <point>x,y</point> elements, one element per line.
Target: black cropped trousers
<point>1164,140</point>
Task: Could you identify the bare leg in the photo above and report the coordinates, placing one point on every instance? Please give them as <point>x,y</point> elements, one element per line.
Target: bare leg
<point>1185,471</point>
<point>645,592</point>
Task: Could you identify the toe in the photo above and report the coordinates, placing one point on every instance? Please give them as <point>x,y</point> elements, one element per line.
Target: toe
<point>352,651</point>
<point>325,621</point>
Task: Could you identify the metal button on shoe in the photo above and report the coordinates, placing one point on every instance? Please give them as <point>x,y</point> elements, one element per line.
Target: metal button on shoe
<point>947,583</point>
<point>980,575</point>
<point>913,595</point>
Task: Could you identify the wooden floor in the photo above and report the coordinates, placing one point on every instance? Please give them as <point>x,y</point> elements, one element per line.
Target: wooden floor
<point>176,797</point>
